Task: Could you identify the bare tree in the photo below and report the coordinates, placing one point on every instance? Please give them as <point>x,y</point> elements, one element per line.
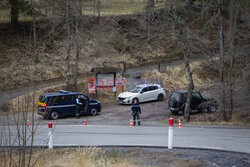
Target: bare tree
<point>68,45</point>
<point>222,77</point>
<point>53,23</point>
<point>80,7</point>
<point>77,44</point>
<point>183,37</point>
<point>34,32</point>
<point>150,9</point>
<point>99,9</point>
<point>187,109</point>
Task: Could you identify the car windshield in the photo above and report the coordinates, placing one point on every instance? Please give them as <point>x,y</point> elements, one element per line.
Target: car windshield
<point>135,90</point>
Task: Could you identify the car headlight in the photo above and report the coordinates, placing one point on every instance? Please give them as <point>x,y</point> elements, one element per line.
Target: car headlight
<point>127,98</point>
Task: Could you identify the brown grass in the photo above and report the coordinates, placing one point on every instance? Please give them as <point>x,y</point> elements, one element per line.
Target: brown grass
<point>80,157</point>
<point>242,117</point>
<point>176,77</point>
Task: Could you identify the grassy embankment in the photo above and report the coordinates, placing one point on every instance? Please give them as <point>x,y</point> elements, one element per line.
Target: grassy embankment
<point>98,157</point>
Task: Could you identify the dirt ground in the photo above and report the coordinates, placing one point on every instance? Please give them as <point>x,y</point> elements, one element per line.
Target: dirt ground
<point>153,114</point>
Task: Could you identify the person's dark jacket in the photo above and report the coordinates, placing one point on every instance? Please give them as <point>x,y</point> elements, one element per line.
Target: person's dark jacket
<point>135,109</point>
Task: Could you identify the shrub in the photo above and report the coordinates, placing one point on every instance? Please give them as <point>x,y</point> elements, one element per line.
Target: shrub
<point>118,42</point>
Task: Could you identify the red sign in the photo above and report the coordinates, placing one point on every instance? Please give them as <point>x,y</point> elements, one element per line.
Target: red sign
<point>91,85</point>
<point>108,83</point>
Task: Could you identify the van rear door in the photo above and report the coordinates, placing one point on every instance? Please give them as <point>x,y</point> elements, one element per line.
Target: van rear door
<point>42,104</point>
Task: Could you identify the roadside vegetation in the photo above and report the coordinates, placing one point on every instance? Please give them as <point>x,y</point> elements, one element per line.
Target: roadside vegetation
<point>95,156</point>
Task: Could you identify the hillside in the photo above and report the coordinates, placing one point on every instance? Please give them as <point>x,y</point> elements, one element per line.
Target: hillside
<point>115,38</point>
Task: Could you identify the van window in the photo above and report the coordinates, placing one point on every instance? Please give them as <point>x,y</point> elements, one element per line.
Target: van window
<point>64,99</point>
<point>42,99</point>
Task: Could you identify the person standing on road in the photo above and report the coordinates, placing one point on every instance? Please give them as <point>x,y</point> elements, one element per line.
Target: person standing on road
<point>136,111</point>
<point>78,106</point>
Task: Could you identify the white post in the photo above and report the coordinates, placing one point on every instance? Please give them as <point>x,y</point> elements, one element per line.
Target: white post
<point>170,133</point>
<point>50,143</point>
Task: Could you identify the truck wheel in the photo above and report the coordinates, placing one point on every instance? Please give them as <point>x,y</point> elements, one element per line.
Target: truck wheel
<point>54,115</point>
<point>160,97</point>
<point>212,108</point>
<point>93,112</point>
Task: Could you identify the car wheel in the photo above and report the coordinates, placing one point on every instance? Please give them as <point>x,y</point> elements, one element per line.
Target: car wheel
<point>54,115</point>
<point>93,112</point>
<point>212,108</point>
<point>160,97</point>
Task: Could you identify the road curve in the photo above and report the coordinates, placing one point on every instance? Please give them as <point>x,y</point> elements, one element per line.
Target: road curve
<point>236,140</point>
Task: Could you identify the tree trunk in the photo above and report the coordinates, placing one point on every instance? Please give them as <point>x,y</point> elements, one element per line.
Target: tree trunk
<point>203,11</point>
<point>232,26</point>
<point>34,32</point>
<point>99,10</point>
<point>68,44</point>
<point>14,12</point>
<point>53,24</point>
<point>150,9</point>
<point>94,7</point>
<point>80,7</point>
<point>223,101</point>
<point>77,47</point>
<point>124,74</point>
<point>190,89</point>
<point>150,17</point>
<point>151,4</point>
<point>171,4</point>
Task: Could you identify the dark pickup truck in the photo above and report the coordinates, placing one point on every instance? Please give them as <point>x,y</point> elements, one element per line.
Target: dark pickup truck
<point>178,98</point>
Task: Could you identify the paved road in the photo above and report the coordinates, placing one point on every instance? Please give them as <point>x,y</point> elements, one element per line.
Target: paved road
<point>106,135</point>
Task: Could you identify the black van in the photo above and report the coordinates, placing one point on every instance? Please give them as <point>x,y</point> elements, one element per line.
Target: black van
<point>63,103</point>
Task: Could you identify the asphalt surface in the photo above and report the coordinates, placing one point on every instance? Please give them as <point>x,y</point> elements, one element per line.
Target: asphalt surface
<point>236,140</point>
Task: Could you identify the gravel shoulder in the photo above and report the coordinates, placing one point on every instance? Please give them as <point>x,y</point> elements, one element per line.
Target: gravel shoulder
<point>162,157</point>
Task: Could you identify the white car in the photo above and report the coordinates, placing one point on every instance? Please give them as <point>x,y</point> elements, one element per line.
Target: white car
<point>146,92</point>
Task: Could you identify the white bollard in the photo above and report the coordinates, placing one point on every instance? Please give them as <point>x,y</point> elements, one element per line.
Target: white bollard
<point>50,143</point>
<point>170,133</point>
